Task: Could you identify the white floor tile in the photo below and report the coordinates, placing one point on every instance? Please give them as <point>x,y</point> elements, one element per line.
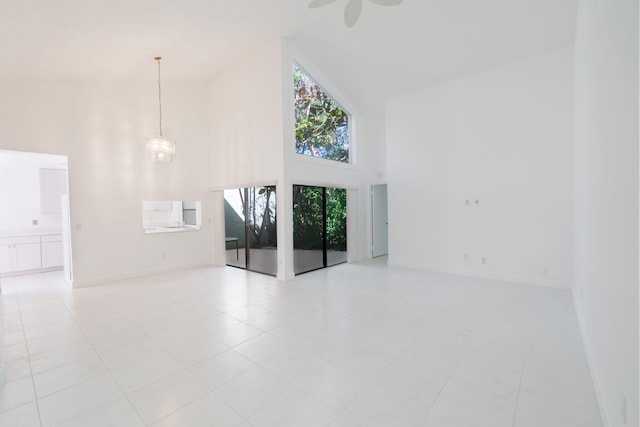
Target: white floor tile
<point>446,421</point>
<point>358,345</point>
<point>222,368</point>
<point>489,378</point>
<point>129,354</point>
<point>159,399</point>
<point>68,375</point>
<point>344,422</point>
<point>334,386</point>
<point>207,411</point>
<point>418,381</point>
<point>115,339</point>
<point>14,351</point>
<point>293,364</point>
<point>72,402</point>
<point>238,334</point>
<point>529,417</point>
<point>367,362</point>
<point>145,372</point>
<point>16,369</point>
<point>60,356</point>
<point>198,350</point>
<point>119,413</point>
<point>16,393</point>
<point>263,347</point>
<point>250,392</point>
<point>378,407</point>
<point>22,416</point>
<point>55,341</point>
<point>467,403</point>
<point>294,409</point>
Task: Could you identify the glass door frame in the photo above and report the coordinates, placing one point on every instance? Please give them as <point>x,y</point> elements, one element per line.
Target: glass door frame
<point>325,247</point>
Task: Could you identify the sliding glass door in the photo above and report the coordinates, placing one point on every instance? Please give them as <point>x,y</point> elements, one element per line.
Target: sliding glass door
<point>250,229</point>
<point>319,227</point>
<point>336,212</point>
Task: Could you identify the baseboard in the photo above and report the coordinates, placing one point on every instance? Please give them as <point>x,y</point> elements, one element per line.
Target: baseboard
<point>532,281</point>
<point>26,272</point>
<point>102,280</point>
<point>594,377</point>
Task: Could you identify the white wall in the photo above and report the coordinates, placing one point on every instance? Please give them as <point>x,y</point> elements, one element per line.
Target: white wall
<point>606,200</point>
<point>20,197</point>
<point>501,137</point>
<point>102,126</point>
<point>245,115</point>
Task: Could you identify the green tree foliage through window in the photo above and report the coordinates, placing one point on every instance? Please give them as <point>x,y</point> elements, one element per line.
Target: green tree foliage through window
<point>308,225</point>
<point>322,126</point>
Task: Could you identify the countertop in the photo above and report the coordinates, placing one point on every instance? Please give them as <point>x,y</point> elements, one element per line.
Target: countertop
<point>156,230</point>
<point>35,231</point>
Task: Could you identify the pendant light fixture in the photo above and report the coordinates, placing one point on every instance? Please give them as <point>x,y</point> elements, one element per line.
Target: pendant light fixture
<point>160,149</point>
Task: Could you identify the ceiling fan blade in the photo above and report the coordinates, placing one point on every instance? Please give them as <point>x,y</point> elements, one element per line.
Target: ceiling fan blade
<point>320,3</point>
<point>352,12</point>
<point>387,2</point>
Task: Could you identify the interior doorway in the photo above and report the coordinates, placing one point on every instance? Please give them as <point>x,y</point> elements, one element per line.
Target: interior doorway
<point>379,220</point>
<point>250,229</point>
<point>319,227</point>
<point>35,233</point>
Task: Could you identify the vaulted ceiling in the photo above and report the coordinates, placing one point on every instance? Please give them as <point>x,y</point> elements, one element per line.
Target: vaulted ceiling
<point>389,51</point>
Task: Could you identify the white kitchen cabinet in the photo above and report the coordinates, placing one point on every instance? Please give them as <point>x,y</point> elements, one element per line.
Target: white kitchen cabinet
<point>53,184</point>
<point>28,257</point>
<point>52,253</point>
<point>20,254</point>
<point>156,205</point>
<point>5,259</point>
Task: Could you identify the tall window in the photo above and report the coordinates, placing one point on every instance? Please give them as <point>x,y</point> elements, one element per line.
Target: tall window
<point>322,126</point>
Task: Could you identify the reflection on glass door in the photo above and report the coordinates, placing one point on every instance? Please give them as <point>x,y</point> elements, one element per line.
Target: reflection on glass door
<point>319,227</point>
<point>250,229</point>
<point>336,212</point>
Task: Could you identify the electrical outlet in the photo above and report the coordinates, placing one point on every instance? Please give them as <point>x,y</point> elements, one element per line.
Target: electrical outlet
<point>484,260</point>
<point>35,222</point>
<point>465,257</point>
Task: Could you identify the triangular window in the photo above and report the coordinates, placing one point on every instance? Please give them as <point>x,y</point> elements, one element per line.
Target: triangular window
<point>322,125</point>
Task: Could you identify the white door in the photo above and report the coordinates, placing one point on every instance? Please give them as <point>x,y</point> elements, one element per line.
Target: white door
<point>380,220</point>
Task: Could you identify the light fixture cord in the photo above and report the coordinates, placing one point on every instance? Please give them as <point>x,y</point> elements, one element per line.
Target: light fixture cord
<point>159,95</point>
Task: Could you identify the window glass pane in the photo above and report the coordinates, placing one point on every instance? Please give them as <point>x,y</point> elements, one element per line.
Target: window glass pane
<point>336,226</point>
<point>319,227</point>
<point>262,228</point>
<point>250,229</point>
<point>234,227</point>
<point>322,126</point>
<point>308,233</point>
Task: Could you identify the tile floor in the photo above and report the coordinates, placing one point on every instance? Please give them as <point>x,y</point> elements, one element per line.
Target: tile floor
<point>353,345</point>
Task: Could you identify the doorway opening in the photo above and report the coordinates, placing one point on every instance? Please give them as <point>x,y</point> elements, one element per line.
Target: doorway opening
<point>250,229</point>
<point>35,226</point>
<point>319,227</point>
